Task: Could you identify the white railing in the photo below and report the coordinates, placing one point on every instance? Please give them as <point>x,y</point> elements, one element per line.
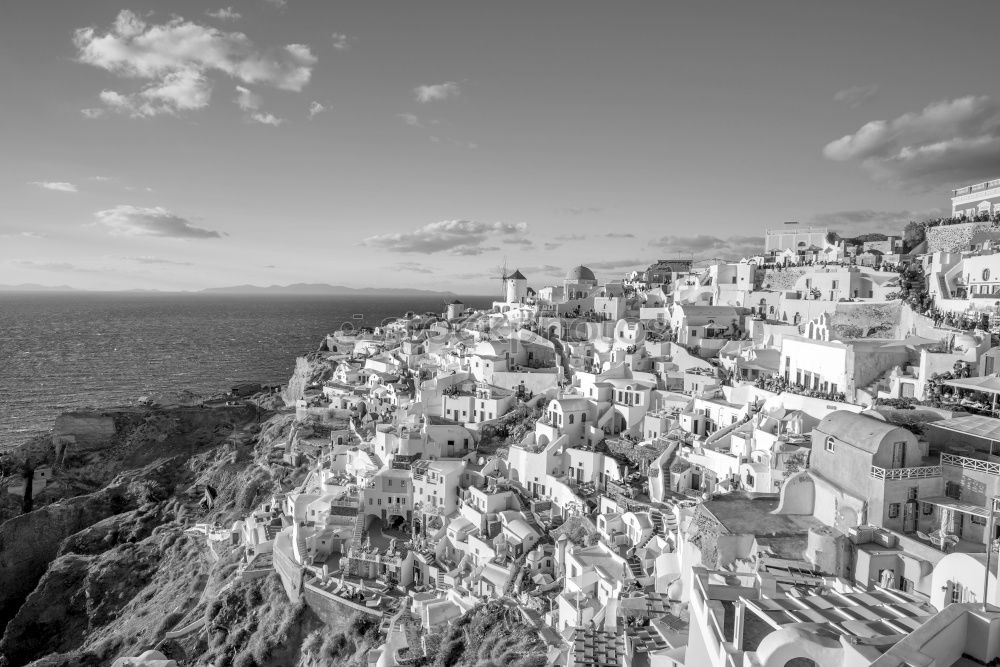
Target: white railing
<point>920,472</point>
<point>967,463</point>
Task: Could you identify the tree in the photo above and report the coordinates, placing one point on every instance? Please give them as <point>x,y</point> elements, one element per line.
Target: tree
<point>914,234</point>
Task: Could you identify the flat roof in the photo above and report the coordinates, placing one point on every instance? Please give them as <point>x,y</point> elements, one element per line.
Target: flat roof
<point>740,513</point>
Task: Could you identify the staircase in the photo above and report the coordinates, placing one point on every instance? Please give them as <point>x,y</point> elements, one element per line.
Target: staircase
<point>300,546</point>
<point>442,585</point>
<point>657,519</point>
<point>359,527</point>
<point>943,287</point>
<point>645,541</point>
<point>635,567</point>
<point>669,522</point>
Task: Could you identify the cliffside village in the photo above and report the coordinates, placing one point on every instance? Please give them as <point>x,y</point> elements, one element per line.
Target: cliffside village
<point>792,456</point>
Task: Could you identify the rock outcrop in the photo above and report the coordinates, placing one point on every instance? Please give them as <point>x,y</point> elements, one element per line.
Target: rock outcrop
<point>313,368</point>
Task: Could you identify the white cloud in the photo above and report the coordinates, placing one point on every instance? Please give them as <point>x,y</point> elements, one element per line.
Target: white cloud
<point>410,119</point>
<point>947,143</point>
<point>52,266</point>
<point>145,259</point>
<point>341,42</point>
<point>315,108</point>
<point>246,99</point>
<point>855,95</point>
<point>225,14</point>
<point>415,267</point>
<point>458,237</point>
<point>703,246</point>
<point>435,92</point>
<point>156,221</point>
<point>277,4</point>
<point>582,210</point>
<point>175,58</point>
<point>266,119</point>
<point>23,235</point>
<point>92,112</point>
<point>58,186</point>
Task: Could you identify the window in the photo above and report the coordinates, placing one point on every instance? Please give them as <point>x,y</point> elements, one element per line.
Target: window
<point>978,520</point>
<point>928,509</point>
<point>571,419</point>
<point>911,493</point>
<point>953,490</point>
<point>893,510</point>
<point>986,274</point>
<point>830,444</point>
<point>835,284</point>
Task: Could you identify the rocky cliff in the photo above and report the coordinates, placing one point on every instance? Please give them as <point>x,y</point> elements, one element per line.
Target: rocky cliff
<point>101,550</point>
<point>313,368</point>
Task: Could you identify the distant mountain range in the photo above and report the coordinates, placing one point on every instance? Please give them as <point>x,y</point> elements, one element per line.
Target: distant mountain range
<point>297,289</point>
<point>32,287</point>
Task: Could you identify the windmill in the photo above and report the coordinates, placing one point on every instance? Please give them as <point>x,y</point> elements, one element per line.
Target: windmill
<point>501,273</point>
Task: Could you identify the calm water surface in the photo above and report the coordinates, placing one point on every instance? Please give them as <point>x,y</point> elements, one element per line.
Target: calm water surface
<point>65,351</point>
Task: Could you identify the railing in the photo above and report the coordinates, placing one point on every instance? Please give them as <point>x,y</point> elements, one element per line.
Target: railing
<point>969,189</point>
<point>967,463</point>
<point>921,472</point>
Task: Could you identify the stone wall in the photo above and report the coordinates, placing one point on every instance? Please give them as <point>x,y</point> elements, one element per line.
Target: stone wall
<point>332,609</point>
<point>950,238</point>
<point>785,279</point>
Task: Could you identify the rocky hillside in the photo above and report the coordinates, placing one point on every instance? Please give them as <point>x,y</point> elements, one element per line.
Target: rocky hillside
<point>109,564</point>
<point>103,566</point>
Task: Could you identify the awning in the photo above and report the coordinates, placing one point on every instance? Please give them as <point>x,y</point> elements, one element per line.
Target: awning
<point>989,384</point>
<point>956,505</point>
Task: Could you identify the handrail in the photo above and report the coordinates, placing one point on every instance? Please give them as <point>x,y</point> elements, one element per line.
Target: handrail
<point>968,463</point>
<point>919,472</point>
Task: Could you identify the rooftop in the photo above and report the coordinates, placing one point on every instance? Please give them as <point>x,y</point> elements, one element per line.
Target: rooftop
<point>742,513</point>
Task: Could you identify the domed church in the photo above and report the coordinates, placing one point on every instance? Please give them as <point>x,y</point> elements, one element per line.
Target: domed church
<point>580,281</point>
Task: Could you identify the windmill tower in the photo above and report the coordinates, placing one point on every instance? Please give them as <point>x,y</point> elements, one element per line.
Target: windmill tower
<point>513,286</point>
<point>516,286</point>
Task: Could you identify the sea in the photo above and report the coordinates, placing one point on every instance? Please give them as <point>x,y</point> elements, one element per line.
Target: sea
<point>67,351</point>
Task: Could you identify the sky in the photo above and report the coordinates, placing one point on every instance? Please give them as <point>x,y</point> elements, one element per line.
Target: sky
<point>183,145</point>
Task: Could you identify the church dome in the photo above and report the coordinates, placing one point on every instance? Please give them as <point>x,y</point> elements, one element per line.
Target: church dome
<point>579,274</point>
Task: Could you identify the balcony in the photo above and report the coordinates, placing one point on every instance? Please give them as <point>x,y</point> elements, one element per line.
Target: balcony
<point>966,463</point>
<point>920,472</point>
